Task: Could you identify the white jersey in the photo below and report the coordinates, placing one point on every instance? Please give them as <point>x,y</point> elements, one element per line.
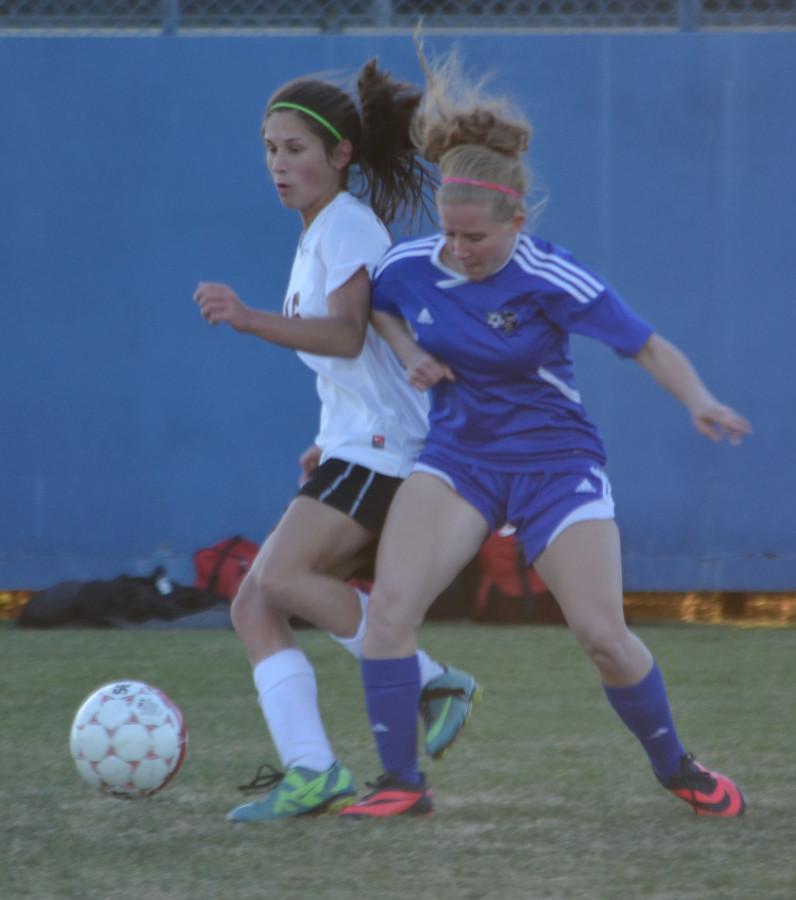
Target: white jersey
<point>370,414</point>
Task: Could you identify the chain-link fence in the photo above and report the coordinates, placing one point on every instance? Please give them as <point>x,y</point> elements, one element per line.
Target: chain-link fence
<point>185,16</point>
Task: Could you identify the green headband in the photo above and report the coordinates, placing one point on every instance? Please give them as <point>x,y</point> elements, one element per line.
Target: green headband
<point>283,104</point>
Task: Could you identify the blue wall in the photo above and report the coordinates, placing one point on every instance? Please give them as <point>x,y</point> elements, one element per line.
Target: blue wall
<point>130,431</point>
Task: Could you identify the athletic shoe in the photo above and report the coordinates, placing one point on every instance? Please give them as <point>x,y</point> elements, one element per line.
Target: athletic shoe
<point>392,797</point>
<point>297,792</point>
<point>709,793</point>
<point>445,707</point>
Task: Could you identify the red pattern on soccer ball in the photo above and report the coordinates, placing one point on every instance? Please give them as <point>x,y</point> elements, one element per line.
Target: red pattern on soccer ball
<point>128,739</point>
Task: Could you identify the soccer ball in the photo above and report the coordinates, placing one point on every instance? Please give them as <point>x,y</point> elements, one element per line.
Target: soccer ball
<point>128,739</point>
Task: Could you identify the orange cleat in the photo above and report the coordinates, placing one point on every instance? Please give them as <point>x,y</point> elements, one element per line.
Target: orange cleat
<point>392,797</point>
<point>709,793</point>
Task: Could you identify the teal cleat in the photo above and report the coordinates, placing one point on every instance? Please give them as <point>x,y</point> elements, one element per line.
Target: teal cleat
<point>445,707</point>
<point>297,792</point>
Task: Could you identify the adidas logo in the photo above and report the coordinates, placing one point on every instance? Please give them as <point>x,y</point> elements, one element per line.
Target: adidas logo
<point>585,487</point>
<point>425,317</point>
<point>379,728</point>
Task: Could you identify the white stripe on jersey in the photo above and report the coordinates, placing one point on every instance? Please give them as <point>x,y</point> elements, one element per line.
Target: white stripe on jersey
<point>566,390</point>
<point>547,275</point>
<point>553,258</point>
<point>564,274</point>
<point>420,247</point>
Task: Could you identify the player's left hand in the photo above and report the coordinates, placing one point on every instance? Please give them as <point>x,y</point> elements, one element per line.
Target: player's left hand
<point>717,421</point>
<point>219,303</point>
<point>309,461</point>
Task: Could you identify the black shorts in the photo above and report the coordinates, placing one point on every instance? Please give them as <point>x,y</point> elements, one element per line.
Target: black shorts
<point>362,494</point>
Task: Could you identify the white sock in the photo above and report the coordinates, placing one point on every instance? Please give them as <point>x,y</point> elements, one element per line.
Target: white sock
<point>429,668</point>
<point>288,696</point>
<point>354,644</point>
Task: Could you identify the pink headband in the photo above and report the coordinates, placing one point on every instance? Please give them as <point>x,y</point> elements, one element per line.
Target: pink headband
<point>489,185</point>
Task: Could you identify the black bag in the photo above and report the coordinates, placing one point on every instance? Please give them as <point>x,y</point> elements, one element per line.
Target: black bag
<point>109,604</point>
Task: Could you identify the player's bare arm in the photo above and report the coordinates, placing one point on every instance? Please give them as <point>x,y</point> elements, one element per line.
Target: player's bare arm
<point>670,367</point>
<point>341,333</point>
<point>422,369</point>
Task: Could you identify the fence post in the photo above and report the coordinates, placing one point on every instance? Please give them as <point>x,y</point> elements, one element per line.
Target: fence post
<point>381,11</point>
<point>170,17</point>
<point>688,14</point>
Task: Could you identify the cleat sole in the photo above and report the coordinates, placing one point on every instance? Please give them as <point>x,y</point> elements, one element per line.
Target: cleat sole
<point>337,804</point>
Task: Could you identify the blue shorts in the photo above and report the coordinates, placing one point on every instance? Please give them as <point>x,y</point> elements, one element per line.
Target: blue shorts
<point>539,505</point>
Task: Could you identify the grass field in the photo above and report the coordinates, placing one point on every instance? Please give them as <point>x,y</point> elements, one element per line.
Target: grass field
<point>545,796</point>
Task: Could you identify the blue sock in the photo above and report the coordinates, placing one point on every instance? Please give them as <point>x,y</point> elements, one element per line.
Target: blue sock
<point>644,708</point>
<point>392,697</point>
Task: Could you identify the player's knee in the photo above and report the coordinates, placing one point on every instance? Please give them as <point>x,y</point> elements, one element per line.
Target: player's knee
<point>391,619</point>
<point>606,645</point>
<point>262,587</point>
<point>271,585</point>
<point>250,612</point>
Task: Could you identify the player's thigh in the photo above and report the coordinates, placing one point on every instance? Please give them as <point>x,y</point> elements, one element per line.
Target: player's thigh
<point>582,568</point>
<point>312,537</point>
<point>430,534</point>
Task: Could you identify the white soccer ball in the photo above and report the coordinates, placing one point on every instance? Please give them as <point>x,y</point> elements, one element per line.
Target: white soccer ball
<point>128,739</point>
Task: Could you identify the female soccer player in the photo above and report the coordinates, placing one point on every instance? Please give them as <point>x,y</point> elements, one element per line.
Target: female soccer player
<point>372,421</point>
<point>509,439</point>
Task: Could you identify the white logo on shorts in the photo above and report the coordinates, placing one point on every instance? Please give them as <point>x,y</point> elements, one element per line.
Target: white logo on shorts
<point>585,487</point>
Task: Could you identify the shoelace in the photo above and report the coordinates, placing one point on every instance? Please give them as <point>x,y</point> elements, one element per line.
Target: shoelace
<point>695,776</point>
<point>381,782</point>
<point>430,694</point>
<point>267,777</point>
<point>695,779</point>
<point>439,693</point>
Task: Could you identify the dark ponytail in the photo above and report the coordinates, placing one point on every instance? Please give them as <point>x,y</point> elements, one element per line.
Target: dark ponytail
<point>393,178</point>
<point>397,179</point>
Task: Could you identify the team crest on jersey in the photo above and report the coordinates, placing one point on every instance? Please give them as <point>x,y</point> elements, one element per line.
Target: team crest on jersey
<point>502,321</point>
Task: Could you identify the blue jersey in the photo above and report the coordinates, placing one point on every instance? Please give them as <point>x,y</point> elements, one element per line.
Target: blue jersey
<point>514,405</point>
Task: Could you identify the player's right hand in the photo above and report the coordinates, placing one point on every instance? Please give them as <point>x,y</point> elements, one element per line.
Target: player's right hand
<point>717,421</point>
<point>219,303</point>
<point>425,371</point>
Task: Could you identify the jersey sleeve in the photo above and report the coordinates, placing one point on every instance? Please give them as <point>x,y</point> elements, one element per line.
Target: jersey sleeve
<point>351,241</point>
<point>578,301</point>
<point>384,297</point>
<point>606,318</point>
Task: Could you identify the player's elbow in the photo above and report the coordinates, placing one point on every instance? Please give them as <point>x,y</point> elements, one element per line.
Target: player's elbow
<point>349,352</point>
<point>352,349</point>
<point>657,355</point>
<point>351,340</point>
